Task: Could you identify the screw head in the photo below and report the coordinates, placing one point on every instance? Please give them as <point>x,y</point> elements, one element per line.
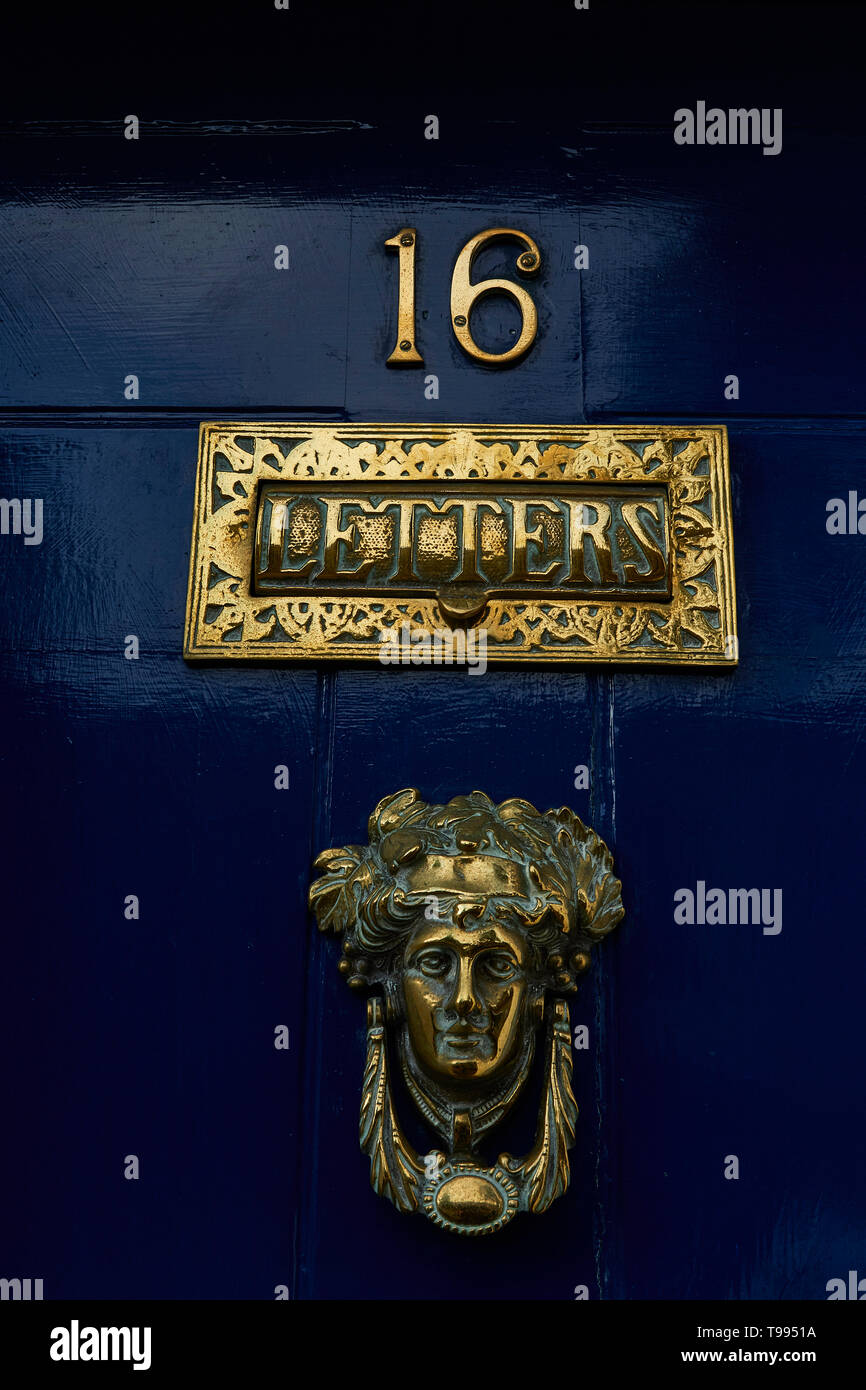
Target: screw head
<point>405,346</point>
<point>406,239</point>
<point>460,320</point>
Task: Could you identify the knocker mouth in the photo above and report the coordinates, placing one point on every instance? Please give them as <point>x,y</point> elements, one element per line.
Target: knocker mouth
<point>464,1036</point>
<point>465,1039</point>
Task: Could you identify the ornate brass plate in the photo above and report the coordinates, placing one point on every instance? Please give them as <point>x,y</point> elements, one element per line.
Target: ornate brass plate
<point>563,543</point>
<point>465,924</point>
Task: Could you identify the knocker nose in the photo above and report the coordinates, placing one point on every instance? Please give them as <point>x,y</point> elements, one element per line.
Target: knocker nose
<point>464,1001</point>
<point>464,1005</point>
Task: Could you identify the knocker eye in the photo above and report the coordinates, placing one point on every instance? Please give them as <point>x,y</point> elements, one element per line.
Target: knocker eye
<point>499,966</point>
<point>434,963</point>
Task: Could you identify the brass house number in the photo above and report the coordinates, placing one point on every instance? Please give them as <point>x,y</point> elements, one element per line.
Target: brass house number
<point>464,296</point>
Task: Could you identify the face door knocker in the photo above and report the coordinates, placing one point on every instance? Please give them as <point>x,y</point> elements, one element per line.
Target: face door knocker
<point>463,919</point>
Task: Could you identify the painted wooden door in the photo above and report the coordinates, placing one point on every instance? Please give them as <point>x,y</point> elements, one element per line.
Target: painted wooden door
<point>717,284</point>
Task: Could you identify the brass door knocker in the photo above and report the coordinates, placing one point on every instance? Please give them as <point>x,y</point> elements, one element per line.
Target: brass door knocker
<point>462,921</point>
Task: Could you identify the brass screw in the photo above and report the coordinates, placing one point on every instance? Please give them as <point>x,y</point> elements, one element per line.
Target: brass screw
<point>406,239</point>
<point>460,320</point>
<point>405,346</point>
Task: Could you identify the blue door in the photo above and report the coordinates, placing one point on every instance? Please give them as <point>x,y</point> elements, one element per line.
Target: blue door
<point>169,998</point>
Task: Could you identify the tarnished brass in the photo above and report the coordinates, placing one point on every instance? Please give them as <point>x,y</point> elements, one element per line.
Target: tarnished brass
<point>405,353</point>
<point>464,924</point>
<point>563,543</point>
<point>511,539</point>
<point>465,295</point>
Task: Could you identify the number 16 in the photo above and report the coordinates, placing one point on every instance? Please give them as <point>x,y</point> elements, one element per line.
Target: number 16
<point>464,296</point>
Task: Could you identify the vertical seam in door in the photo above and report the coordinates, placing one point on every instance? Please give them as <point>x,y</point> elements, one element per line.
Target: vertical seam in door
<point>603,815</point>
<point>581,378</point>
<point>348,306</point>
<point>306,1166</point>
<point>615,1251</point>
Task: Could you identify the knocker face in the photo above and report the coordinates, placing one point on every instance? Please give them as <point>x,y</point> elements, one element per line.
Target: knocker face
<point>465,992</point>
<point>460,922</point>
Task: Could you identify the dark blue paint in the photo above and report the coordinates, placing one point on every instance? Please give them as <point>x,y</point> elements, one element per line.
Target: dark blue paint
<point>155,778</point>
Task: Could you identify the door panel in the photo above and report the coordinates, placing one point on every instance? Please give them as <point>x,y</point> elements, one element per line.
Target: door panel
<point>382,737</point>
<point>167,290</point>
